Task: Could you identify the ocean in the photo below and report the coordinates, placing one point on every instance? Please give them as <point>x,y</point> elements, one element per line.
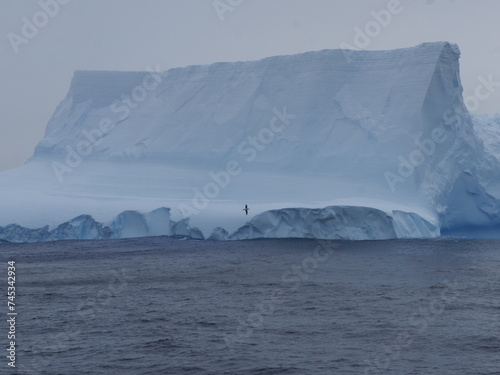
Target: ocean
<point>292,306</point>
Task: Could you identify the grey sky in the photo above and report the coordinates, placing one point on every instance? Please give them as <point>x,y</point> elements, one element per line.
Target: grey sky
<point>134,34</point>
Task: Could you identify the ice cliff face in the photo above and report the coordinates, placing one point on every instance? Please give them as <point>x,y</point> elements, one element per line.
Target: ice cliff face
<point>366,108</point>
<point>364,145</point>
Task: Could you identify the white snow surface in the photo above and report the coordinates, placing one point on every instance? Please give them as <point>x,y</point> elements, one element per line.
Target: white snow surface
<point>327,144</point>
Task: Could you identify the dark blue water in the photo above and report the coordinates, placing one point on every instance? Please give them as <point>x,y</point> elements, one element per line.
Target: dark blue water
<point>169,306</point>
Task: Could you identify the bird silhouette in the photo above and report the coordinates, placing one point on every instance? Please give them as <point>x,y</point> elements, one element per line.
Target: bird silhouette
<point>246,209</point>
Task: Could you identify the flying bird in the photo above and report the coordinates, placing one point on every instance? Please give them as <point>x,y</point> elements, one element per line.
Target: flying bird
<point>246,209</point>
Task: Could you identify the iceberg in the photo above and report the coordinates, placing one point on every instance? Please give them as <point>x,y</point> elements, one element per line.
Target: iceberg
<point>337,223</point>
<point>128,224</point>
<point>324,144</point>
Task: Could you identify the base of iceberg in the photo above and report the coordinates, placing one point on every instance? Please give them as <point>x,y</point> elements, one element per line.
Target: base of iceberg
<point>334,222</point>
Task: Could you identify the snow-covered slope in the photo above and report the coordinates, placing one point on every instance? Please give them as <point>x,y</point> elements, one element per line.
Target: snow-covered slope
<point>376,145</point>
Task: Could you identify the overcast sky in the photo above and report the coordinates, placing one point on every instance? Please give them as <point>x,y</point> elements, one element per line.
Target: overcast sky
<point>36,69</point>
